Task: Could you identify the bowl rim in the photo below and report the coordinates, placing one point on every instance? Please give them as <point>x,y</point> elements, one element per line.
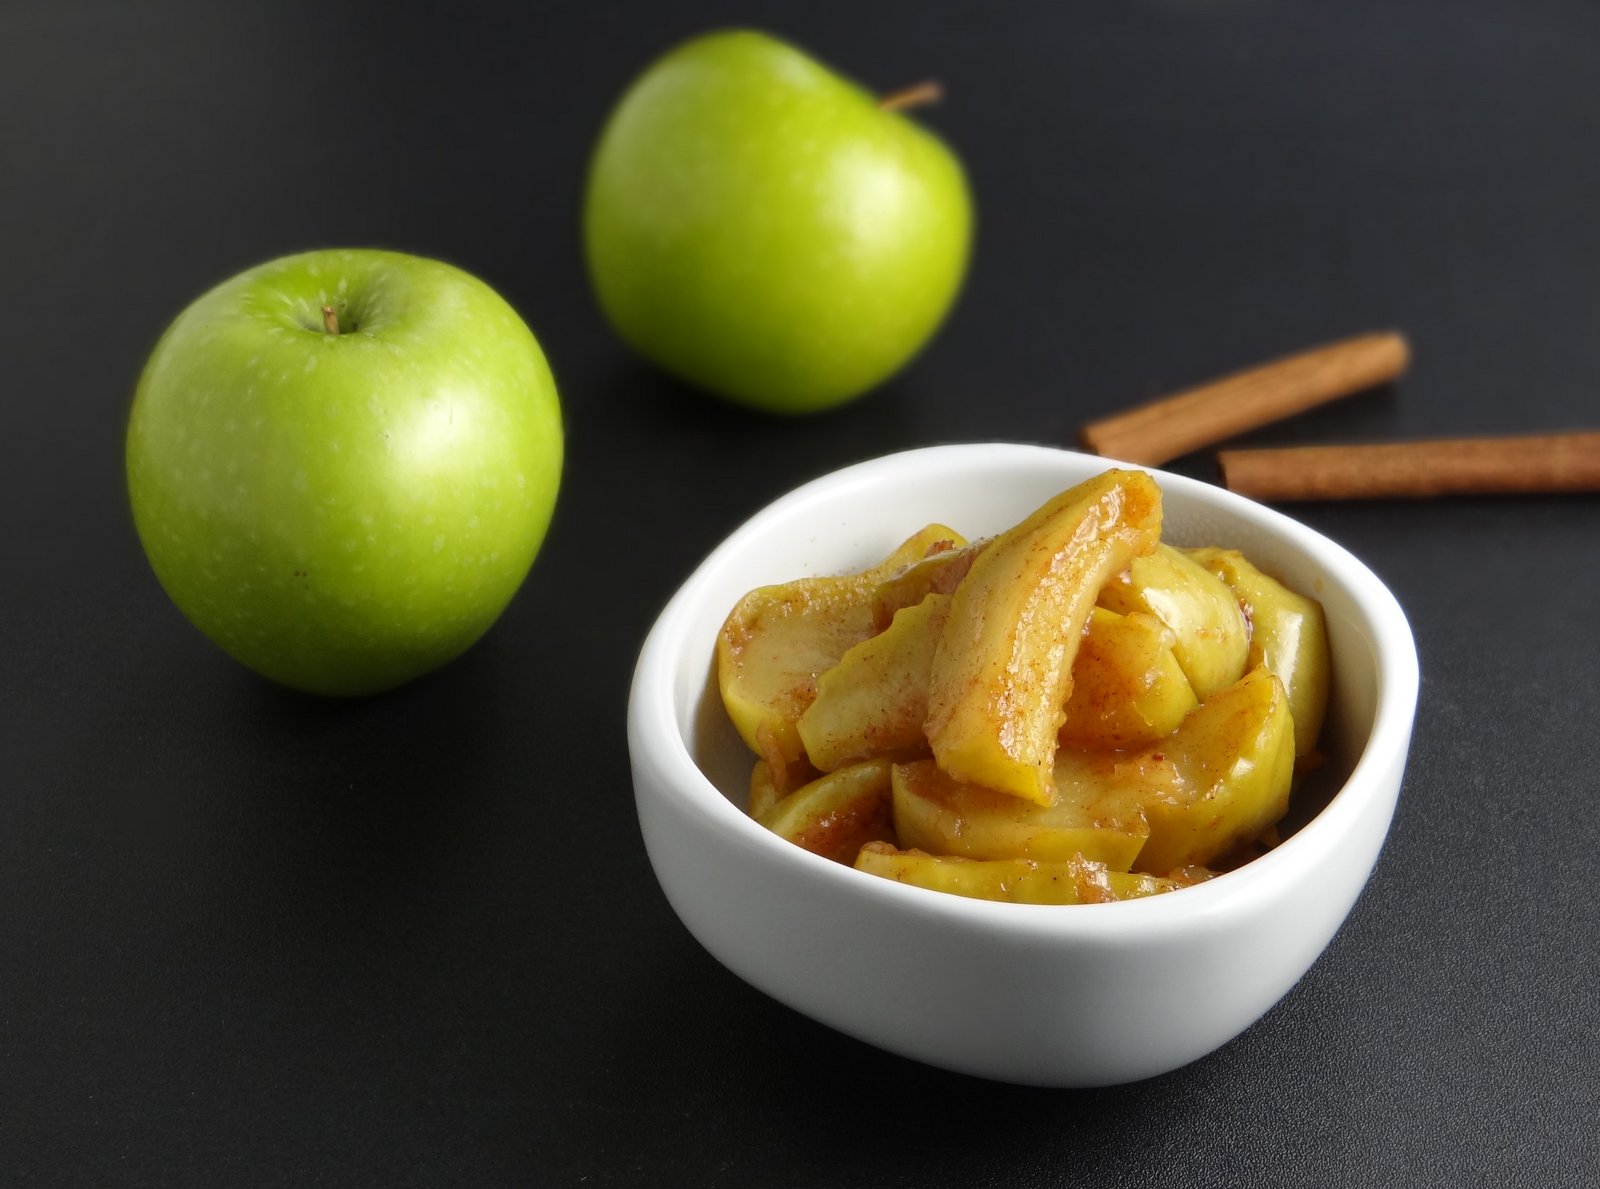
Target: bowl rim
<point>657,739</point>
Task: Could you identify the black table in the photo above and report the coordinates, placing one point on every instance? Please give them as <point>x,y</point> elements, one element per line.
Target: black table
<point>251,938</point>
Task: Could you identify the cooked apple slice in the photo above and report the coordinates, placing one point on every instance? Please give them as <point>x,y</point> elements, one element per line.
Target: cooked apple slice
<point>1136,885</point>
<point>1002,671</point>
<point>1288,635</point>
<point>763,789</point>
<point>1211,637</point>
<point>1017,881</point>
<point>938,573</point>
<point>1127,686</point>
<point>875,700</point>
<point>769,785</point>
<point>836,814</point>
<point>936,813</point>
<point>1074,880</point>
<point>778,639</point>
<point>1220,780</point>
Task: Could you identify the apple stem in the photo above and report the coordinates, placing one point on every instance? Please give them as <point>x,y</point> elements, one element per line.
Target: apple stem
<point>330,320</point>
<point>923,93</point>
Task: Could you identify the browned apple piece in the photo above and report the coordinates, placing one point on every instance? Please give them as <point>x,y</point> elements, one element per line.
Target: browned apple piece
<point>763,789</point>
<point>1287,634</point>
<point>1211,638</point>
<point>1221,779</point>
<point>936,813</point>
<point>769,784</point>
<point>1136,885</point>
<point>779,639</point>
<point>836,814</point>
<point>938,573</point>
<point>1127,686</point>
<point>1074,880</point>
<point>1002,671</point>
<point>875,700</point>
<point>1015,881</point>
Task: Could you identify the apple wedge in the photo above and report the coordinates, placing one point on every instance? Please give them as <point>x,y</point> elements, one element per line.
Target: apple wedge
<point>874,701</point>
<point>835,815</point>
<point>1287,634</point>
<point>1075,880</point>
<point>1216,782</point>
<point>777,640</point>
<point>1211,637</point>
<point>1127,686</point>
<point>936,813</point>
<point>1220,780</point>
<point>1002,671</point>
<point>938,573</point>
<point>769,785</point>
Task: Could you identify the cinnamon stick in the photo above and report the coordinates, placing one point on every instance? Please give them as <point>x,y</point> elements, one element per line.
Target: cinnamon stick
<point>1563,462</point>
<point>1202,416</point>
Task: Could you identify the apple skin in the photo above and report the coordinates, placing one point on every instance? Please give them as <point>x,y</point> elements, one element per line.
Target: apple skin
<point>758,226</point>
<point>344,511</point>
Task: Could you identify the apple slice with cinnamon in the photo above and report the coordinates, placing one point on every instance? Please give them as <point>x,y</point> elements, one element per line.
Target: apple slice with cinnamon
<point>1002,671</point>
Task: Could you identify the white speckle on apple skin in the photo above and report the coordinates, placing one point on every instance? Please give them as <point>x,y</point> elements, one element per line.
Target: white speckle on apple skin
<point>438,543</point>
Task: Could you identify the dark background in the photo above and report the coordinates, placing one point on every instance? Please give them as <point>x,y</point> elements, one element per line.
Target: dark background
<point>248,938</point>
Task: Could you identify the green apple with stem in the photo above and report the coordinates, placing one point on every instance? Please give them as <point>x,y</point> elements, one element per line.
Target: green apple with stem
<point>342,463</point>
<point>770,231</point>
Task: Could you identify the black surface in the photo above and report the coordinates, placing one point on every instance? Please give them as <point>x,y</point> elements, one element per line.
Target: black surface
<point>248,938</point>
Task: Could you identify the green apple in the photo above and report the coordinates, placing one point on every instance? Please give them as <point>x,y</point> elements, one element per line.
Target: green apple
<point>342,463</point>
<point>769,231</point>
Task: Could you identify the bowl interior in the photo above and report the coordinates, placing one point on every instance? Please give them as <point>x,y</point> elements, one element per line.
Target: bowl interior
<point>853,518</point>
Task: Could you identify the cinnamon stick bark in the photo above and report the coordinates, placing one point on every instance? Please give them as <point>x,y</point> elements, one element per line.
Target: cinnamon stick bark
<point>1532,464</point>
<point>1161,431</point>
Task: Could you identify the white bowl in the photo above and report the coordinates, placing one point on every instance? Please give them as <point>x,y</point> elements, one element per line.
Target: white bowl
<point>1072,995</point>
